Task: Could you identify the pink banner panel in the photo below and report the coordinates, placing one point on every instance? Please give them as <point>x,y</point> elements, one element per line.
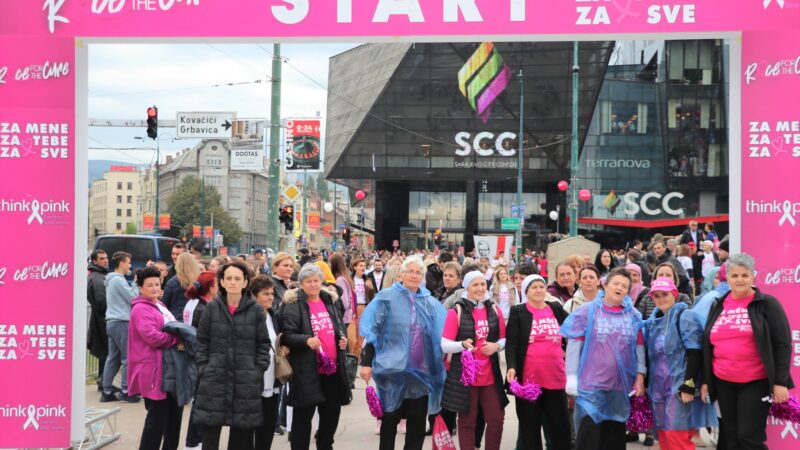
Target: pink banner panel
<point>770,194</point>
<point>364,18</point>
<point>37,185</point>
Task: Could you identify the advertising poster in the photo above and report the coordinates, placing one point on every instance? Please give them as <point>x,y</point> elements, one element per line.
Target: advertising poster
<point>303,147</point>
<point>37,219</point>
<point>770,163</point>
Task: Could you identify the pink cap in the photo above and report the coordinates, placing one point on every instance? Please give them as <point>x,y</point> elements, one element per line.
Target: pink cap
<point>663,285</point>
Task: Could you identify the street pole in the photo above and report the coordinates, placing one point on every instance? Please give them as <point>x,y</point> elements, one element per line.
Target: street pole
<point>335,213</point>
<point>274,165</point>
<point>158,159</point>
<point>213,239</point>
<point>304,214</point>
<point>573,163</point>
<point>520,140</point>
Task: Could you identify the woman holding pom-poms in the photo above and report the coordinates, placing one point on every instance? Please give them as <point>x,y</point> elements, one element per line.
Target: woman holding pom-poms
<point>747,347</point>
<point>674,339</point>
<point>535,357</point>
<point>475,325</point>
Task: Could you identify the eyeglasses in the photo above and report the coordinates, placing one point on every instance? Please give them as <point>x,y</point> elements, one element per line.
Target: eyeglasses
<point>413,272</point>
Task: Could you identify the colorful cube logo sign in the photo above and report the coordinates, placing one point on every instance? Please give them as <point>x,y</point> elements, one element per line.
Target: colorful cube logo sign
<point>483,78</point>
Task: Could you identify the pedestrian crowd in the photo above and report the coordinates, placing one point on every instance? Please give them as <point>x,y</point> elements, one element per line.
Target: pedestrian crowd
<point>268,346</point>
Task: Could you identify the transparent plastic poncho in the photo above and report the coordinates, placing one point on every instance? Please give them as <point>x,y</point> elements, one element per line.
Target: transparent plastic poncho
<point>666,353</point>
<point>408,360</point>
<point>608,366</point>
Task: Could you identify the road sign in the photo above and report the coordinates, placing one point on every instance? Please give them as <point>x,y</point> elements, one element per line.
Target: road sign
<point>198,124</point>
<point>509,223</point>
<point>291,193</point>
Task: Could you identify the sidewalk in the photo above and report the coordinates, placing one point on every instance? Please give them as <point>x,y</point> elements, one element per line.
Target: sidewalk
<point>356,426</point>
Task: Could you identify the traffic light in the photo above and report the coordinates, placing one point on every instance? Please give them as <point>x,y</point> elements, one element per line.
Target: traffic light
<point>287,217</point>
<point>346,236</point>
<point>152,122</point>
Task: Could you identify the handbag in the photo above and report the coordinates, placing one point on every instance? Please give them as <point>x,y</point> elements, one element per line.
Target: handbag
<point>283,370</point>
<point>351,367</point>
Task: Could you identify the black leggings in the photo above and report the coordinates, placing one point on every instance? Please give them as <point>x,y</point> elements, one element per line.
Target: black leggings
<point>744,414</point>
<point>552,405</point>
<point>163,423</point>
<point>606,435</point>
<point>329,412</point>
<point>266,432</point>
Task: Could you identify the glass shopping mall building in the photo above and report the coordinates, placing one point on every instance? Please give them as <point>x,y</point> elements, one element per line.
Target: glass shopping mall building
<point>431,132</point>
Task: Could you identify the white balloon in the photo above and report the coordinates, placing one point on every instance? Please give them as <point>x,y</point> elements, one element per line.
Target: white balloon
<point>328,206</point>
<point>553,215</point>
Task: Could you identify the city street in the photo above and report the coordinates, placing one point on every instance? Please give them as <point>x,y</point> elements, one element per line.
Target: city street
<point>356,426</point>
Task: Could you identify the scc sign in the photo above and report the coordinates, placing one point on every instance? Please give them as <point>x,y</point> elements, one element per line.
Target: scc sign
<point>466,144</point>
<point>633,204</point>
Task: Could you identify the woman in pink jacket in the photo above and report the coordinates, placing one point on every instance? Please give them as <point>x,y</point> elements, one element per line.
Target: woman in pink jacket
<point>146,343</point>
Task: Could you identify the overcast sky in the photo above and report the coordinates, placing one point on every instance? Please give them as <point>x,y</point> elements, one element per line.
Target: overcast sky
<point>124,79</point>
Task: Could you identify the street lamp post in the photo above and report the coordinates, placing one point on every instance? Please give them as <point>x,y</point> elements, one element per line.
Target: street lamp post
<point>158,163</point>
<point>520,140</point>
<point>427,212</point>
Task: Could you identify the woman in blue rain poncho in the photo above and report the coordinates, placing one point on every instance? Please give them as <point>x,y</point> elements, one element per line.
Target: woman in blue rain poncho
<point>402,329</point>
<point>674,335</point>
<point>605,363</point>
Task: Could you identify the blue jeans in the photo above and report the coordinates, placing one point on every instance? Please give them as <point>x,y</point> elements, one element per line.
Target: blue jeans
<point>117,331</point>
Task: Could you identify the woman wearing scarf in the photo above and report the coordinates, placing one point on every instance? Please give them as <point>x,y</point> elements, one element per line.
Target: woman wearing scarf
<point>589,286</point>
<point>605,362</point>
<point>636,282</point>
<point>674,335</point>
<point>402,328</point>
<point>475,324</point>
<point>535,355</point>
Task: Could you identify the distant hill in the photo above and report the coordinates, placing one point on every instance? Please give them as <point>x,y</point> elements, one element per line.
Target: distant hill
<point>97,167</point>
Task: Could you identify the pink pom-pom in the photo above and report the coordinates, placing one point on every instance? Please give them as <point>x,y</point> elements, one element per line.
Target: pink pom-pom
<point>374,403</point>
<point>325,364</point>
<point>469,368</point>
<point>641,418</point>
<point>529,392</point>
<point>788,411</point>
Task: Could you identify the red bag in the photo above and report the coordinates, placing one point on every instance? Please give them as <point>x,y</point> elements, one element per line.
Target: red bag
<point>441,436</point>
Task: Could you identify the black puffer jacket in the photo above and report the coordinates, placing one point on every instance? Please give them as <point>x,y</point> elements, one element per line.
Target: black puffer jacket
<point>232,355</point>
<point>97,339</point>
<point>305,389</point>
<point>456,395</point>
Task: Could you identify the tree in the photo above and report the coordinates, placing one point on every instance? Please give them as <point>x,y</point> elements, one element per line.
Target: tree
<point>130,228</point>
<point>192,204</point>
<point>322,188</point>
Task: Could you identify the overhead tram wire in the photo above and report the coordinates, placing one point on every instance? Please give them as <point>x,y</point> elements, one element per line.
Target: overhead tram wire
<point>392,124</point>
<point>246,64</point>
<point>108,147</point>
<point>224,84</point>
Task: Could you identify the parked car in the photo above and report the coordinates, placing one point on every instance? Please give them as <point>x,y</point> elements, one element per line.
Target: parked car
<point>142,247</point>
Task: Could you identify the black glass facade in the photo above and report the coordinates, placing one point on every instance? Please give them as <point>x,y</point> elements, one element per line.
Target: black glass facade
<point>400,117</point>
<point>658,138</point>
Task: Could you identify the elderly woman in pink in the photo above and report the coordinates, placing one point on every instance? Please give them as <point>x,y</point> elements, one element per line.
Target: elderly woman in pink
<point>146,343</point>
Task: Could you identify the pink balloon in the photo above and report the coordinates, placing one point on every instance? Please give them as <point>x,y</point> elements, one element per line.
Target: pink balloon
<point>585,195</point>
<point>563,185</point>
<point>361,195</point>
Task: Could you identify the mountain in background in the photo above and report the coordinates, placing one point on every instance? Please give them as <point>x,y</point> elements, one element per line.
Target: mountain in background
<point>97,167</point>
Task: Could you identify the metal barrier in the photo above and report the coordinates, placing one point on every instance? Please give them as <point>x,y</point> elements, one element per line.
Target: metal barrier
<point>101,428</point>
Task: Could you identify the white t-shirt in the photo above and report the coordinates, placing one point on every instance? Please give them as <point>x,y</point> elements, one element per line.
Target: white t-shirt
<point>505,300</point>
<point>686,262</point>
<point>168,317</point>
<point>269,374</point>
<point>188,310</point>
<point>378,278</point>
<point>361,291</point>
